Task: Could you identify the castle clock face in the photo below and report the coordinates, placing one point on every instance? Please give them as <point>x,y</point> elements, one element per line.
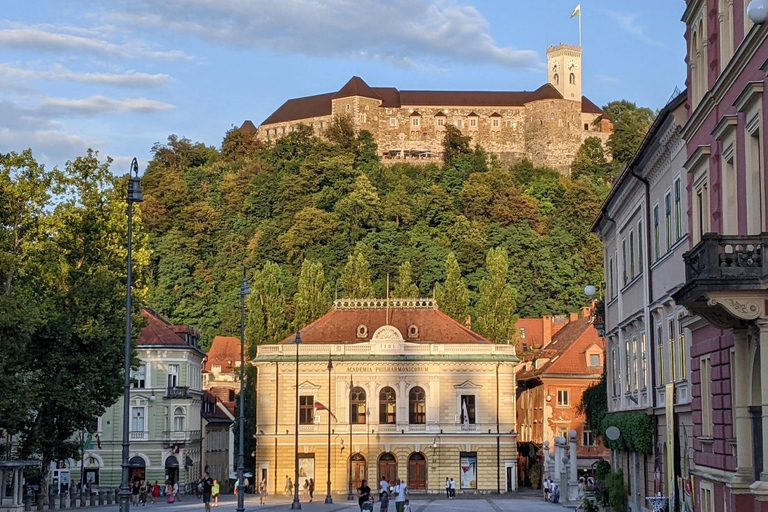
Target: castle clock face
<point>556,67</point>
<point>572,65</point>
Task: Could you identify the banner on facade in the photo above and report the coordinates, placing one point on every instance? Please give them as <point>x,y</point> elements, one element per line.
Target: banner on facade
<point>468,462</point>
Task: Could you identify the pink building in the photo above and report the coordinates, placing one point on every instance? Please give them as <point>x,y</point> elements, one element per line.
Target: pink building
<point>726,284</point>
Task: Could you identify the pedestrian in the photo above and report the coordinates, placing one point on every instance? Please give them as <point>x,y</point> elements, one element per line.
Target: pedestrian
<point>545,485</point>
<point>206,486</point>
<point>407,506</point>
<point>384,499</point>
<point>176,496</point>
<point>215,492</point>
<point>155,492</point>
<point>453,489</point>
<point>288,486</point>
<point>556,494</point>
<point>305,491</point>
<point>246,484</point>
<point>552,487</point>
<point>263,491</point>
<point>311,489</point>
<point>143,493</point>
<point>135,492</point>
<point>383,488</point>
<point>400,490</point>
<point>447,487</point>
<point>364,494</point>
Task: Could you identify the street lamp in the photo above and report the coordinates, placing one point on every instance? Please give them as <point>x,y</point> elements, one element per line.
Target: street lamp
<point>244,290</point>
<point>328,498</point>
<point>350,496</point>
<point>296,505</point>
<point>134,196</point>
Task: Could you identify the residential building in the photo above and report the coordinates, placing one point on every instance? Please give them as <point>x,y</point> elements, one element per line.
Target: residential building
<point>644,230</point>
<point>534,333</point>
<point>550,383</point>
<point>546,126</point>
<point>414,394</point>
<point>218,440</point>
<point>726,268</point>
<point>221,372</point>
<point>165,422</point>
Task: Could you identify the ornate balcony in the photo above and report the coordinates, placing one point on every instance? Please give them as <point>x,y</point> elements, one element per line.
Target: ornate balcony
<point>177,392</point>
<point>726,279</point>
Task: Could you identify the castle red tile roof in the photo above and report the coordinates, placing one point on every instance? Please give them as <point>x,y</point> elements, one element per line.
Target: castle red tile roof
<point>539,331</point>
<point>160,331</point>
<point>320,105</point>
<point>224,352</point>
<point>341,326</point>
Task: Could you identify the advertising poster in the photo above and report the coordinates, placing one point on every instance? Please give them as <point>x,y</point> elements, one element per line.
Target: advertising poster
<point>306,468</point>
<point>468,463</point>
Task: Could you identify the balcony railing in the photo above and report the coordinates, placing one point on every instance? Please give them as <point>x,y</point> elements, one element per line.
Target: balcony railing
<point>177,392</point>
<point>181,435</point>
<point>728,258</point>
<point>139,436</point>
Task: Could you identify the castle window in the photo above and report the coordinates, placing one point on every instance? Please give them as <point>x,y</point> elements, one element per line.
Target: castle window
<point>556,79</point>
<point>361,118</point>
<point>415,121</point>
<point>283,130</point>
<point>321,125</point>
<point>572,78</point>
<point>440,121</point>
<point>495,122</point>
<point>586,127</point>
<point>348,106</point>
<point>551,104</point>
<point>473,122</point>
<point>552,116</point>
<point>291,128</point>
<point>392,121</point>
<point>459,123</point>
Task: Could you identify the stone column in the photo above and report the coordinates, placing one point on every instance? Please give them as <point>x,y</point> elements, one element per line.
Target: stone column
<point>545,465</point>
<point>573,470</point>
<point>740,397</point>
<point>762,325</point>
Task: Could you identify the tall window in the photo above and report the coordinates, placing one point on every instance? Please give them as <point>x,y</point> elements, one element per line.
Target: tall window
<point>706,396</point>
<point>572,78</point>
<point>468,409</point>
<point>306,409</point>
<point>725,15</point>
<point>631,254</point>
<point>615,366</point>
<point>672,349</point>
<point>357,406</point>
<point>417,406</point>
<point>755,181</point>
<point>640,247</point>
<point>387,406</point>
<point>140,377</point>
<point>636,366</point>
<point>681,350</point>
<point>587,438</point>
<point>656,234</point>
<point>173,375</point>
<point>678,211</point>
<point>627,366</point>
<point>137,419</point>
<point>611,278</point>
<point>660,378</point>
<point>563,398</point>
<point>179,419</point>
<point>643,363</point>
<point>625,280</point>
<point>668,218</point>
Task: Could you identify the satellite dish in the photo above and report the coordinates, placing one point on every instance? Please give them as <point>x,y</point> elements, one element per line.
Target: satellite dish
<point>612,433</point>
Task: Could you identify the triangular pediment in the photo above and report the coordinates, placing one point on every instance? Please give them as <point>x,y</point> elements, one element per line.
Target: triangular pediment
<point>468,384</point>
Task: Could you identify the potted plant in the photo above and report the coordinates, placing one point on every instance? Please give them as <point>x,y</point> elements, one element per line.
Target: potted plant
<point>534,474</point>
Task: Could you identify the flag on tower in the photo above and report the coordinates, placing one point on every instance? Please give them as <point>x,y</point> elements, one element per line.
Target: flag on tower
<point>576,11</point>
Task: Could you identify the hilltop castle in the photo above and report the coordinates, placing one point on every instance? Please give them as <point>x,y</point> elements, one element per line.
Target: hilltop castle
<point>546,126</point>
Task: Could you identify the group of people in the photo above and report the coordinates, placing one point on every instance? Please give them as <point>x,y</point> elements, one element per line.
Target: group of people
<point>551,490</point>
<point>141,491</point>
<point>307,489</point>
<point>396,490</point>
<point>450,488</point>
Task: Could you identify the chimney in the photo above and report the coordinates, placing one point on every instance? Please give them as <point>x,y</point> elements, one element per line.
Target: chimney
<point>468,322</point>
<point>586,312</point>
<point>573,317</point>
<point>546,329</point>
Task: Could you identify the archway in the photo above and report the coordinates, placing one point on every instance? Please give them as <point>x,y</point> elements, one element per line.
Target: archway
<point>171,469</point>
<point>417,472</point>
<point>138,468</point>
<point>756,415</point>
<point>359,470</point>
<point>387,467</point>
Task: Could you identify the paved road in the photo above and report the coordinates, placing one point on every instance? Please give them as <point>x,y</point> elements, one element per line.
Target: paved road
<point>515,502</point>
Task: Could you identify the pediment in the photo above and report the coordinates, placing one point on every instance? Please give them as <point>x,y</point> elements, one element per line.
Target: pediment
<point>308,385</point>
<point>468,384</point>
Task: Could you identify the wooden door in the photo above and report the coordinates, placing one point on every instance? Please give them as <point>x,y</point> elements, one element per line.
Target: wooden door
<point>359,470</point>
<point>417,472</point>
<point>387,467</point>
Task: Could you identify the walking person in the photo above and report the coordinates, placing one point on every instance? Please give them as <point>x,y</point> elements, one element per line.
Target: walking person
<point>288,486</point>
<point>364,494</point>
<point>143,493</point>
<point>447,487</point>
<point>263,491</point>
<point>206,485</point>
<point>176,496</point>
<point>311,489</point>
<point>453,489</point>
<point>155,492</point>
<point>400,490</point>
<point>215,492</point>
<point>384,499</point>
<point>134,492</point>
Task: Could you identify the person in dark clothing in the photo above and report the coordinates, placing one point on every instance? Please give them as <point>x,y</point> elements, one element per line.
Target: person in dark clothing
<point>311,489</point>
<point>364,492</point>
<point>207,483</point>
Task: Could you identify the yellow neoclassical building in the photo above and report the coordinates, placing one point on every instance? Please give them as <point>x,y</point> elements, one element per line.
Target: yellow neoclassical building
<point>413,394</point>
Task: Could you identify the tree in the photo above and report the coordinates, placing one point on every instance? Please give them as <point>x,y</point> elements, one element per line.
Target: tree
<point>313,299</point>
<point>267,319</point>
<point>404,286</point>
<point>630,124</point>
<point>590,161</point>
<point>594,405</point>
<point>452,296</point>
<point>454,144</point>
<point>239,143</point>
<point>361,207</point>
<point>496,302</point>
<point>356,278</point>
<point>341,133</point>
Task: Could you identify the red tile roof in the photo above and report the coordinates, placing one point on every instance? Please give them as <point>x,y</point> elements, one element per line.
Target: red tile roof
<point>212,411</point>
<point>588,107</point>
<point>302,108</point>
<point>224,352</point>
<point>160,331</point>
<point>356,87</point>
<point>539,331</point>
<point>340,326</point>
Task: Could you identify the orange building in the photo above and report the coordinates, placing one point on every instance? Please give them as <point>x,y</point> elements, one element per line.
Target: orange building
<point>221,373</point>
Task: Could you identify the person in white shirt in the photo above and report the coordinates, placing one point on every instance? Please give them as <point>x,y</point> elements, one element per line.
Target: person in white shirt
<point>383,487</point>
<point>400,490</point>
<point>453,488</point>
<point>447,488</point>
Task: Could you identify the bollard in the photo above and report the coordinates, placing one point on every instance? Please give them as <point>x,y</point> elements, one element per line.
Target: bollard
<point>27,502</point>
<point>51,498</point>
<point>40,499</point>
<point>92,498</point>
<point>117,495</point>
<point>83,498</point>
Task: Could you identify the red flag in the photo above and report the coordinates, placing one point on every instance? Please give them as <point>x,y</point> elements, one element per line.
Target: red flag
<point>321,407</point>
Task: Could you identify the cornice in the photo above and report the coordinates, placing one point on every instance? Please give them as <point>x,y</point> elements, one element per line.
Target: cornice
<point>695,160</point>
<point>725,126</point>
<point>693,8</point>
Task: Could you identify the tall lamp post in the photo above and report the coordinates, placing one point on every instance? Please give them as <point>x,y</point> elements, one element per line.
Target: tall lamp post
<point>134,196</point>
<point>328,498</point>
<point>350,496</point>
<point>296,505</point>
<point>244,290</point>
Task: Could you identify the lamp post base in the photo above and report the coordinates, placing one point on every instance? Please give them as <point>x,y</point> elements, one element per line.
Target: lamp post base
<point>351,497</point>
<point>328,500</point>
<point>296,505</point>
<point>124,498</point>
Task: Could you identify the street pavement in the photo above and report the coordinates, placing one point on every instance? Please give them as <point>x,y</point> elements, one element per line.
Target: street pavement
<point>527,501</point>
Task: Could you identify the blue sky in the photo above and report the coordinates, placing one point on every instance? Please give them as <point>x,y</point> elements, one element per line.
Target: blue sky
<point>120,75</point>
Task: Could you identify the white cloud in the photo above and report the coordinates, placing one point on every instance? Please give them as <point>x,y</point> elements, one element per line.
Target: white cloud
<point>607,79</point>
<point>98,105</point>
<point>628,23</point>
<point>399,31</point>
<point>59,72</point>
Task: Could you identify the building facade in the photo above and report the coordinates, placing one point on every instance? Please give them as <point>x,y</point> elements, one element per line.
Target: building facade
<point>645,233</point>
<point>546,126</point>
<point>726,268</point>
<point>218,440</point>
<point>221,370</point>
<point>550,383</point>
<point>165,400</point>
<point>413,395</point>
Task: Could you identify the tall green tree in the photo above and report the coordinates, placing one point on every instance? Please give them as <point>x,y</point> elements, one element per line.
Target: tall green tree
<point>356,279</point>
<point>404,286</point>
<point>452,295</point>
<point>590,161</point>
<point>267,322</point>
<point>630,124</point>
<point>313,298</point>
<point>495,312</point>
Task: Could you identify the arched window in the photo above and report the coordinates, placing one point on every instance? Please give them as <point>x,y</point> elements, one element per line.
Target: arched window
<point>572,78</point>
<point>387,406</point>
<point>556,79</point>
<point>417,406</point>
<point>357,406</point>
<point>179,419</point>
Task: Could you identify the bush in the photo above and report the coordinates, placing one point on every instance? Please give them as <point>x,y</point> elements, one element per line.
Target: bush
<point>617,491</point>
<point>602,470</point>
<point>588,506</point>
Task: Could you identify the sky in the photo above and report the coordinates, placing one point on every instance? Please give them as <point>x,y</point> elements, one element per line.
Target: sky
<point>119,76</point>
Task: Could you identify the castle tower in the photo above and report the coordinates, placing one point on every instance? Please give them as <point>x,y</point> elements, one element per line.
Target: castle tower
<point>564,70</point>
